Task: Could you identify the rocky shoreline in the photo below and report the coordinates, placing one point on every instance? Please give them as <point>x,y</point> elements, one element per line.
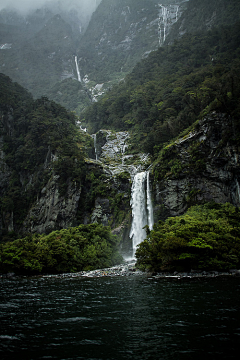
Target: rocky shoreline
<point>129,269</point>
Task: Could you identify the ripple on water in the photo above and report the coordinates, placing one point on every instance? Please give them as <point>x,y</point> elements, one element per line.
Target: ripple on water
<point>119,318</point>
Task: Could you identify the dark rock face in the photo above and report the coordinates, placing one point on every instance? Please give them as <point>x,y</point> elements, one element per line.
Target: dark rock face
<point>216,180</point>
<point>53,211</point>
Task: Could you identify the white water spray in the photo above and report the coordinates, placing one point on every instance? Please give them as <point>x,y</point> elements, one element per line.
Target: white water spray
<point>78,71</point>
<point>149,204</point>
<point>142,213</point>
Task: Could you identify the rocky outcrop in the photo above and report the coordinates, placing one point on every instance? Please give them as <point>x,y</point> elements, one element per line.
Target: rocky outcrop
<point>208,168</point>
<point>53,211</point>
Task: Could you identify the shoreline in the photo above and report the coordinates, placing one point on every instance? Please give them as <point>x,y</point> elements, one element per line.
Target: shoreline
<point>128,269</point>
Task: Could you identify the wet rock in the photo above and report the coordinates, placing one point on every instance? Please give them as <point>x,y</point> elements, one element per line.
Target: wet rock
<point>218,179</point>
<point>53,211</point>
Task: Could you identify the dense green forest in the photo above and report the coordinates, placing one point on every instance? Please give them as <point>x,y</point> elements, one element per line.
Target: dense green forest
<point>32,132</point>
<point>206,237</point>
<point>85,247</point>
<point>173,88</point>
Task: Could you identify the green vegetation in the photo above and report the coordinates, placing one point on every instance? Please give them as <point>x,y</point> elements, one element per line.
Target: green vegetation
<point>33,132</point>
<point>207,237</point>
<point>86,247</point>
<point>71,94</point>
<point>167,95</point>
<point>173,88</point>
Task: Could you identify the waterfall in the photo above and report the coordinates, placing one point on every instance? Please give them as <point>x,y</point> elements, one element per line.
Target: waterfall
<point>149,204</point>
<point>123,152</point>
<point>177,12</point>
<point>142,213</point>
<point>78,71</point>
<point>163,20</point>
<point>95,144</point>
<point>168,15</point>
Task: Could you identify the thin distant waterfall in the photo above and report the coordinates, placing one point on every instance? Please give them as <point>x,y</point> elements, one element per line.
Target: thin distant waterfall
<point>177,10</point>
<point>168,15</point>
<point>162,26</point>
<point>142,213</point>
<point>78,71</point>
<point>94,136</point>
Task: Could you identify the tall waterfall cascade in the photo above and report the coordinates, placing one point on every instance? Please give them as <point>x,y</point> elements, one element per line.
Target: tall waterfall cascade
<point>142,211</point>
<point>168,15</point>
<point>78,71</point>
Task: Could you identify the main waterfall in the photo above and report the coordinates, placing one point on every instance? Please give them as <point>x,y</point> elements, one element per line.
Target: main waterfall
<point>142,212</point>
<point>149,204</point>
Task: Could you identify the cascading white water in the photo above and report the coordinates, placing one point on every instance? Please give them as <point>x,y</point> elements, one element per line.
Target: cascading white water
<point>95,144</point>
<point>123,152</point>
<point>177,12</point>
<point>149,204</point>
<point>78,71</point>
<point>142,213</point>
<point>138,204</point>
<point>168,15</point>
<point>163,19</point>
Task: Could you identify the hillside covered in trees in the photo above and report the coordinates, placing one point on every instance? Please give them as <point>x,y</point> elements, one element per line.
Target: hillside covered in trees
<point>179,108</point>
<point>174,87</point>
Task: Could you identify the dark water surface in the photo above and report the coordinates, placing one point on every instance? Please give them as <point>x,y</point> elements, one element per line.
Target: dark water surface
<point>119,318</point>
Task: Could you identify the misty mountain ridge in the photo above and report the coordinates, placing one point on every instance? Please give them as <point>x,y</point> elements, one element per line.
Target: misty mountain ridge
<point>38,49</point>
<point>40,57</point>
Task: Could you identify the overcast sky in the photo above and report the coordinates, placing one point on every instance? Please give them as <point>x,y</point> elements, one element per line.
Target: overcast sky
<point>25,5</point>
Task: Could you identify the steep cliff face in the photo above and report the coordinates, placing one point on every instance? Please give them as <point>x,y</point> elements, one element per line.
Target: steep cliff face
<point>205,168</point>
<point>52,211</point>
<point>121,33</point>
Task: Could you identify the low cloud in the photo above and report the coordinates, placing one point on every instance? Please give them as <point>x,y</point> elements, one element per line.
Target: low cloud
<point>23,5</point>
<point>26,5</point>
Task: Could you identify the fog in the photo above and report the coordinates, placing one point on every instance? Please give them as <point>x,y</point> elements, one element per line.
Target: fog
<point>24,6</point>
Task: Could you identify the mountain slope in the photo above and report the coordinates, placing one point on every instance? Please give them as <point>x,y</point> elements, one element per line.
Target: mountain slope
<point>43,44</point>
<point>173,87</point>
<point>39,142</point>
<point>122,33</point>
